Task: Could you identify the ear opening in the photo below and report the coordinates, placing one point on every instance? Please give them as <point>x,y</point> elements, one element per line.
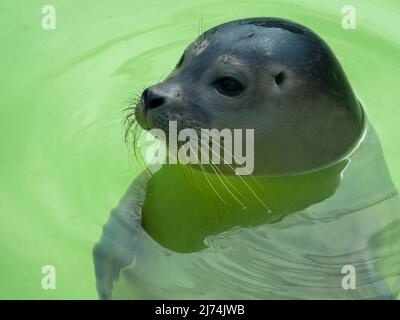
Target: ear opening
<point>279,78</point>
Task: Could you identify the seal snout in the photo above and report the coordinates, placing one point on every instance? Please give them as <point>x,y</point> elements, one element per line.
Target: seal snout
<point>158,104</point>
<point>152,99</point>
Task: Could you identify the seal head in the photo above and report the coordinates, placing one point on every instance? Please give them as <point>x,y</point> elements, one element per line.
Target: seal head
<point>271,75</point>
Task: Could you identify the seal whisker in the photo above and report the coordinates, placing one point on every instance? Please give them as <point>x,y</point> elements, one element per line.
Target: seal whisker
<point>209,182</point>
<point>211,185</point>
<point>191,170</point>
<point>230,153</point>
<point>192,174</point>
<point>248,186</point>
<point>200,29</point>
<point>133,130</point>
<point>226,187</point>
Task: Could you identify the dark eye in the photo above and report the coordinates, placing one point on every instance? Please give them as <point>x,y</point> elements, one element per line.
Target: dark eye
<point>178,65</point>
<point>279,78</point>
<point>228,86</point>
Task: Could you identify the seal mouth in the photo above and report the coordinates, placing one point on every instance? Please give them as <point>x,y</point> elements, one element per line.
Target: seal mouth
<point>159,119</point>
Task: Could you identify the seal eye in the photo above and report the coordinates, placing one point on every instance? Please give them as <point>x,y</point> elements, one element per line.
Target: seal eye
<point>228,86</point>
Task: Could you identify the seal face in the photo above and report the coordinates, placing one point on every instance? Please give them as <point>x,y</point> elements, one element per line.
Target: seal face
<point>272,75</point>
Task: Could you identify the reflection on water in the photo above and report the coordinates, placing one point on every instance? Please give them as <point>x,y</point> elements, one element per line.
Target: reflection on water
<point>65,164</point>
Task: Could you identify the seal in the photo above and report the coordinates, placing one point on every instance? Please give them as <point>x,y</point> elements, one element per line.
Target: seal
<point>281,80</point>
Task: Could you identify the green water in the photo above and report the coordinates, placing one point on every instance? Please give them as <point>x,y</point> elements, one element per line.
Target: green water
<point>64,163</point>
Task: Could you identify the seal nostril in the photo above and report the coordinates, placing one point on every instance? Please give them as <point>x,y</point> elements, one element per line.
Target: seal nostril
<point>279,78</point>
<point>156,102</point>
<point>151,99</point>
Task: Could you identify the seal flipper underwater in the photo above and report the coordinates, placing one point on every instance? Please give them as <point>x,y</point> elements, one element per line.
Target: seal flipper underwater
<point>116,248</point>
<point>325,230</point>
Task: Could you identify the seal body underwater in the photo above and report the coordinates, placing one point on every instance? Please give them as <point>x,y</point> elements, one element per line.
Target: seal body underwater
<point>309,201</point>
